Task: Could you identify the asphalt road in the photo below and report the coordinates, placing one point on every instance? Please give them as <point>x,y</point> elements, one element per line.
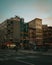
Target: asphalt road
<point>9,57</point>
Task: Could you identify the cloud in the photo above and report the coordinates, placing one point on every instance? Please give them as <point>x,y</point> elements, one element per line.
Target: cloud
<point>44,6</point>
<point>48,21</point>
<point>48,18</point>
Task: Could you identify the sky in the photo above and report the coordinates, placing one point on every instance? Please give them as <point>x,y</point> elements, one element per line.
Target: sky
<point>27,9</point>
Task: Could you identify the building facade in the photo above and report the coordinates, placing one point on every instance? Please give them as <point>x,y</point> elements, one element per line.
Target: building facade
<point>45,34</point>
<point>35,31</point>
<point>27,34</point>
<point>49,40</point>
<point>12,29</point>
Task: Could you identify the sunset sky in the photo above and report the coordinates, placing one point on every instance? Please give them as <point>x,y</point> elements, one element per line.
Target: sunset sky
<point>28,9</point>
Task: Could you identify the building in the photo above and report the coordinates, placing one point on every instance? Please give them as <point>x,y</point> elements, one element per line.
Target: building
<point>35,32</point>
<point>49,40</point>
<point>32,37</point>
<point>13,29</point>
<point>45,34</point>
<point>26,36</point>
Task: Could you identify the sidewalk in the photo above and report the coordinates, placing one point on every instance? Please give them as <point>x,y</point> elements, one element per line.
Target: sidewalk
<point>35,52</point>
<point>49,52</point>
<point>30,52</point>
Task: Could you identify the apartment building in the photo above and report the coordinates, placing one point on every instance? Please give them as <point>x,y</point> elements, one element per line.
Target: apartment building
<point>26,35</point>
<point>45,34</point>
<point>35,31</point>
<point>12,29</point>
<point>49,36</point>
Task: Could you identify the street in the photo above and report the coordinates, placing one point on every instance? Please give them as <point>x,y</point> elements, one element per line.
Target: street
<point>11,57</point>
